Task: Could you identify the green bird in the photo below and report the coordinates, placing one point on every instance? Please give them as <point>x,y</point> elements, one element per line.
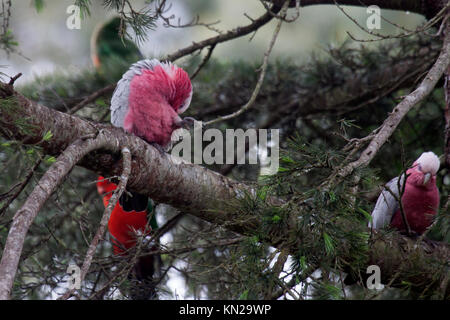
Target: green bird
<point>112,54</point>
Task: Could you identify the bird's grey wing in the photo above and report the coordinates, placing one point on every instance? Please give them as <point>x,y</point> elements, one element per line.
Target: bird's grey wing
<point>387,204</point>
<point>119,100</point>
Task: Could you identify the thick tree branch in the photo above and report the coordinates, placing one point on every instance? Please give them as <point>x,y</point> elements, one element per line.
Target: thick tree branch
<point>186,186</point>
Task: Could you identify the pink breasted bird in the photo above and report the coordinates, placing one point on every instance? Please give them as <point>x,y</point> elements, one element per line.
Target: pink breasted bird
<point>149,98</point>
<point>146,102</point>
<point>420,199</point>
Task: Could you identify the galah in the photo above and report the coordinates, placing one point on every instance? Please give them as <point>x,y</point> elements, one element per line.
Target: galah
<point>149,98</point>
<point>146,102</point>
<point>420,198</point>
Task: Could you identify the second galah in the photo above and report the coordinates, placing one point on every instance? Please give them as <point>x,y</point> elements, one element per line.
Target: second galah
<point>420,198</point>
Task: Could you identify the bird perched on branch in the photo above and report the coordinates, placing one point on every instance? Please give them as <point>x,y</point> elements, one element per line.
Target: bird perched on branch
<point>419,197</point>
<point>149,98</point>
<point>146,102</point>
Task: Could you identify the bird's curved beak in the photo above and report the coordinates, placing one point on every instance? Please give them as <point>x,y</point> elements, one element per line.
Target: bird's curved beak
<point>426,178</point>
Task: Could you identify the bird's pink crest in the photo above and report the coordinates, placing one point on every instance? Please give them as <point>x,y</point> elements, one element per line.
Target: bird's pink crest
<point>173,83</point>
<point>183,89</point>
<point>156,97</point>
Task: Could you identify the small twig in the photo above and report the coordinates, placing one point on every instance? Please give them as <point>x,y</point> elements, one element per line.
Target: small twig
<point>20,186</point>
<point>126,155</point>
<point>13,79</point>
<point>232,34</point>
<point>204,61</point>
<point>379,36</point>
<point>262,74</point>
<point>401,188</point>
<point>92,97</point>
<point>284,18</point>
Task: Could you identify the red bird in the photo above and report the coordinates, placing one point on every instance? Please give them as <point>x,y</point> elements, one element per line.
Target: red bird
<point>129,217</point>
<point>126,218</point>
<point>420,199</point>
<point>146,102</point>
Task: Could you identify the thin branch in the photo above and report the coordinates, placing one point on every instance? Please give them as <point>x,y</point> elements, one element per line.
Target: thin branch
<point>447,112</point>
<point>169,225</point>
<point>20,187</point>
<point>161,9</point>
<point>204,61</point>
<point>401,188</point>
<point>408,33</point>
<point>13,79</point>
<point>262,74</point>
<point>429,8</point>
<point>232,34</point>
<point>92,97</point>
<point>46,186</point>
<point>105,218</point>
<point>284,17</point>
<point>399,112</point>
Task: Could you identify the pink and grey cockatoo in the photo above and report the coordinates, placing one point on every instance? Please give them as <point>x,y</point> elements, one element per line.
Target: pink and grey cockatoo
<point>146,102</point>
<point>149,98</point>
<point>420,199</point>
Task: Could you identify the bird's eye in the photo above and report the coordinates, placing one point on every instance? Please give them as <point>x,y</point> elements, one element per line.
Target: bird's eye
<point>183,107</point>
